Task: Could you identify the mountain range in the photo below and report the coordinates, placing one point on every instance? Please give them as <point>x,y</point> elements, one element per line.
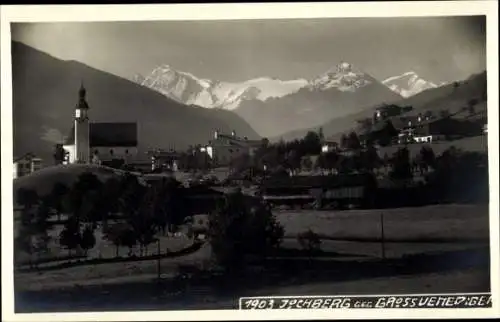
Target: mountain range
<point>273,106</point>
<point>45,92</point>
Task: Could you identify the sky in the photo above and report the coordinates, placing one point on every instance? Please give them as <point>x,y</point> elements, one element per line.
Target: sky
<point>436,48</point>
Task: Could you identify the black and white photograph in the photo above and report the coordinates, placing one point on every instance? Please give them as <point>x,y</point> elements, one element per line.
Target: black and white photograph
<point>339,162</point>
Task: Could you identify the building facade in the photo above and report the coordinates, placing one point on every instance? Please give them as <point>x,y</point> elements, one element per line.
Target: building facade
<point>100,143</point>
<point>329,146</point>
<point>224,148</point>
<point>164,160</point>
<point>26,164</point>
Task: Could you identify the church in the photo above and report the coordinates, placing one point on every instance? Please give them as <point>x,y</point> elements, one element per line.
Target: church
<point>99,143</point>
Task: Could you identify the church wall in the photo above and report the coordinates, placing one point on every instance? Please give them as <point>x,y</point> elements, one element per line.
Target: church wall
<point>71,153</point>
<point>119,152</point>
<point>82,130</point>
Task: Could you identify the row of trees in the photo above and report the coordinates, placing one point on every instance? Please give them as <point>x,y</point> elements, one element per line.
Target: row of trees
<point>281,154</point>
<point>290,156</point>
<point>88,203</point>
<point>240,228</point>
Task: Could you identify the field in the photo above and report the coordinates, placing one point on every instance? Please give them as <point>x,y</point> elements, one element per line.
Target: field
<point>442,222</point>
<point>427,249</point>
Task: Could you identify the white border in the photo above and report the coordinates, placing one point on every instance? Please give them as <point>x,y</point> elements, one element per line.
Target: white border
<point>230,12</point>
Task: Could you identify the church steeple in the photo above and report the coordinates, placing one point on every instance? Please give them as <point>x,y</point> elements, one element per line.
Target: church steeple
<point>82,91</point>
<point>82,128</point>
<point>82,102</point>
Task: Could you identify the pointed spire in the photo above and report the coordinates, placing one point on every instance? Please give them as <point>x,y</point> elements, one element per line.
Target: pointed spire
<point>82,90</point>
<point>82,102</point>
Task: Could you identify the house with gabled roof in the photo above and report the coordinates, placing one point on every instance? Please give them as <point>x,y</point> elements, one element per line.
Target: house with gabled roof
<point>26,164</point>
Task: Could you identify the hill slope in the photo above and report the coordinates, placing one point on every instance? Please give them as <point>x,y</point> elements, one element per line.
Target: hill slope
<point>45,92</point>
<point>43,181</point>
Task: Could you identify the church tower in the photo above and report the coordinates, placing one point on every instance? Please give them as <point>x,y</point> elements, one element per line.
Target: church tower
<point>82,128</point>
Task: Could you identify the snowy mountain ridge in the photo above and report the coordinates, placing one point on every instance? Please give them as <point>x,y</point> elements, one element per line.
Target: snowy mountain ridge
<point>189,89</point>
<point>409,84</point>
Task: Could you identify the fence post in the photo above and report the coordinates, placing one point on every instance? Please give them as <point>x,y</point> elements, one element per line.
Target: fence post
<point>158,261</point>
<point>382,235</point>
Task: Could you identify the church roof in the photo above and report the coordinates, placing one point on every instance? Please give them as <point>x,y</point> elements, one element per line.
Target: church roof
<point>109,135</point>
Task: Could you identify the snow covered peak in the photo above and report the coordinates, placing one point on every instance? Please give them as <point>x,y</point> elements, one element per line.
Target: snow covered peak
<point>409,84</point>
<point>343,77</point>
<point>344,67</point>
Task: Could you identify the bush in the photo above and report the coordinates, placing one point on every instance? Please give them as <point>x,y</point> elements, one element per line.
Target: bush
<point>242,227</point>
<point>309,241</point>
<point>87,240</point>
<point>70,236</point>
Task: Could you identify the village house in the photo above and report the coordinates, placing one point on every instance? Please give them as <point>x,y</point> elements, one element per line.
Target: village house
<point>99,143</point>
<point>224,148</point>
<point>427,131</point>
<point>26,164</point>
<point>164,159</point>
<point>387,111</point>
<point>329,146</point>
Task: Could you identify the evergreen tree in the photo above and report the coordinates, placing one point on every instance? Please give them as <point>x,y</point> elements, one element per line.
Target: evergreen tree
<point>82,197</point>
<point>27,198</point>
<point>242,227</point>
<point>427,156</point>
<point>309,241</point>
<point>311,143</point>
<point>57,195</point>
<point>70,235</point>
<point>344,141</point>
<point>59,154</point>
<point>129,239</point>
<point>321,134</point>
<point>144,221</point>
<point>401,165</point>
<point>371,159</point>
<point>387,133</point>
<point>87,240</point>
<point>41,227</point>
<point>353,141</point>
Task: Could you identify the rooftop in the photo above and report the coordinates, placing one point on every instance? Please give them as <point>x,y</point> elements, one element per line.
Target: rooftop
<point>27,156</point>
<point>109,135</point>
<point>236,140</point>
